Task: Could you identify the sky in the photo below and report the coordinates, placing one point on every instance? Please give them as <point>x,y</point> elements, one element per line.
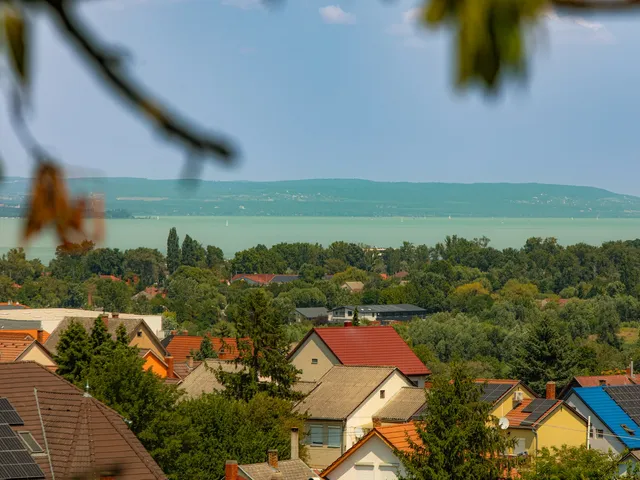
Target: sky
<point>318,89</point>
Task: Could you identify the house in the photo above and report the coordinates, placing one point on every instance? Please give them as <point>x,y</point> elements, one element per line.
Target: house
<point>163,367</point>
<point>26,328</point>
<point>21,347</point>
<point>312,314</point>
<point>12,305</point>
<point>503,394</point>
<point>48,319</point>
<point>405,406</point>
<point>374,456</point>
<point>613,415</point>
<point>587,381</point>
<point>353,287</point>
<point>544,423</point>
<point>203,377</point>
<point>57,431</point>
<point>322,348</point>
<point>341,407</point>
<point>629,463</point>
<point>292,469</point>
<point>380,313</point>
<point>182,346</point>
<point>262,279</point>
<point>150,293</point>
<point>186,368</point>
<point>140,335</point>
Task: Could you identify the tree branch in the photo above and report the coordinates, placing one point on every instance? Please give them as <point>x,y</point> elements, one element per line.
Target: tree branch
<point>107,65</point>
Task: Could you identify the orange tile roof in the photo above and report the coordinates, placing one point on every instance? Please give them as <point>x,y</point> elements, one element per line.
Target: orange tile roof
<point>498,381</point>
<point>261,278</point>
<point>594,380</point>
<point>10,350</point>
<point>396,435</point>
<point>517,416</point>
<point>15,335</point>
<point>181,345</point>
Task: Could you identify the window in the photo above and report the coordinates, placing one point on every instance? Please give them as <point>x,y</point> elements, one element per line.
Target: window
<point>382,393</point>
<point>30,442</point>
<point>335,437</point>
<point>315,435</point>
<point>349,313</point>
<point>599,433</point>
<point>314,361</point>
<point>519,447</point>
<point>415,383</point>
<point>139,333</point>
<point>591,433</point>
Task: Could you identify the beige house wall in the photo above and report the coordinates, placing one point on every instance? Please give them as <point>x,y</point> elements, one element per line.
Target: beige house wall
<point>323,456</point>
<point>303,359</point>
<point>36,354</point>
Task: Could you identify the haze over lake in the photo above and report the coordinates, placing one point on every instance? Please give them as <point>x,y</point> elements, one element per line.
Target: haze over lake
<point>245,232</point>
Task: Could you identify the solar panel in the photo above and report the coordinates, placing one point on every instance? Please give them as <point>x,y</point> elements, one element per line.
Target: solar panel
<point>536,409</point>
<point>8,414</point>
<point>493,391</point>
<point>15,461</point>
<point>628,398</point>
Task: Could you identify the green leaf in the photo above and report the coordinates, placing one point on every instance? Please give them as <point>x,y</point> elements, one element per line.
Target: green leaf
<point>16,31</point>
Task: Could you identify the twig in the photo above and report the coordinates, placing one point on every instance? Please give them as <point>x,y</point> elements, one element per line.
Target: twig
<point>105,63</point>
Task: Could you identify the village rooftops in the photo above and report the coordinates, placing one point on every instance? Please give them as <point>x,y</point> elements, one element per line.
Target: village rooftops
<point>182,346</point>
<point>404,406</point>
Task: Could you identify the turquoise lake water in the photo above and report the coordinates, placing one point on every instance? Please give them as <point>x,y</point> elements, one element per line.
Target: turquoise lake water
<point>244,232</point>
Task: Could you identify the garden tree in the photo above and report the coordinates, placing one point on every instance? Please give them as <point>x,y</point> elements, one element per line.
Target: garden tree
<point>193,296</point>
<point>334,265</point>
<point>122,337</point>
<point>99,336</point>
<point>46,292</point>
<point>119,380</point>
<point>545,354</point>
<point>471,297</point>
<point>173,251</point>
<point>105,261</point>
<point>206,350</point>
<point>574,463</point>
<point>70,262</point>
<point>195,439</point>
<point>351,274</point>
<point>214,256</point>
<point>7,291</point>
<point>607,322</point>
<point>356,317</point>
<point>113,295</point>
<point>258,259</point>
<point>310,273</point>
<point>147,263</point>
<point>73,354</point>
<point>394,294</point>
<point>262,349</point>
<point>458,439</point>
<point>349,253</point>
<point>296,255</point>
<point>305,297</point>
<point>428,290</point>
<point>14,264</point>
<point>192,253</point>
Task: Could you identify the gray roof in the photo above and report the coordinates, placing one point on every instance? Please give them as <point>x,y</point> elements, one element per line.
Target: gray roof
<point>401,307</point>
<point>202,379</point>
<point>303,387</point>
<point>313,312</point>
<point>12,306</point>
<point>19,324</point>
<point>341,390</point>
<point>404,406</point>
<point>291,470</point>
<point>112,325</point>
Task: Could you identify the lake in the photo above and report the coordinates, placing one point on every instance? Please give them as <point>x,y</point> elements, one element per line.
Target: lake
<point>245,232</point>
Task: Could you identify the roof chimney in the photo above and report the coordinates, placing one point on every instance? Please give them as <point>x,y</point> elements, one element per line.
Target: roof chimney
<point>295,444</point>
<point>169,361</point>
<point>551,391</point>
<point>115,315</point>
<point>348,323</point>
<point>105,319</point>
<point>273,458</point>
<point>231,470</point>
<point>190,361</point>
<point>40,336</point>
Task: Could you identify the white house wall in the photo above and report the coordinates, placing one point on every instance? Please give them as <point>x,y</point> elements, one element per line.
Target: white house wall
<point>362,416</point>
<point>609,441</point>
<point>373,460</point>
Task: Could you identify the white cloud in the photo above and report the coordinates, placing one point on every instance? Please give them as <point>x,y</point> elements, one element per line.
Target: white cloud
<point>407,28</point>
<point>335,14</point>
<point>573,29</point>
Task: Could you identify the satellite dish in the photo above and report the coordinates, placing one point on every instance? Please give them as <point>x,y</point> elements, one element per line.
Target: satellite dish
<point>503,423</point>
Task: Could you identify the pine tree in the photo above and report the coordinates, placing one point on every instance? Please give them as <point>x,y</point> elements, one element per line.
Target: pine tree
<point>173,250</point>
<point>206,350</point>
<point>99,334</point>
<point>188,254</point>
<point>122,337</point>
<point>356,317</point>
<point>458,439</point>
<point>73,352</point>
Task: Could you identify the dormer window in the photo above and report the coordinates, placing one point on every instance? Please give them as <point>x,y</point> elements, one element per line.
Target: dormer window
<point>139,333</point>
<point>30,442</point>
<point>630,431</point>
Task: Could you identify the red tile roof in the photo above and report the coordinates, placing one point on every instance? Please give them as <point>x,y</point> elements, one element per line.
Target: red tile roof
<point>516,416</point>
<point>595,380</point>
<point>12,348</point>
<point>261,278</point>
<point>181,345</point>
<point>82,433</point>
<point>375,346</point>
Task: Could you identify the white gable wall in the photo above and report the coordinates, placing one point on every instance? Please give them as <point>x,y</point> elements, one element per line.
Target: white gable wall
<point>609,442</point>
<point>373,460</point>
<point>362,416</point>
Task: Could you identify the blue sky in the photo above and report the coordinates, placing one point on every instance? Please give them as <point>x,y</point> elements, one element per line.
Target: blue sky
<point>317,89</point>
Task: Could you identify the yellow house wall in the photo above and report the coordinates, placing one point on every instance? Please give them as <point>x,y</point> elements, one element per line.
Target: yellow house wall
<point>313,347</point>
<point>506,405</point>
<point>528,437</point>
<point>562,428</point>
<point>153,364</point>
<point>145,342</point>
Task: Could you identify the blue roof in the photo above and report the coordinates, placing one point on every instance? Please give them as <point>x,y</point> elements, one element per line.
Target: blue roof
<point>610,413</point>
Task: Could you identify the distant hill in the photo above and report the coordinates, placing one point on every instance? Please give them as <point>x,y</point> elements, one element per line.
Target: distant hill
<point>362,198</point>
